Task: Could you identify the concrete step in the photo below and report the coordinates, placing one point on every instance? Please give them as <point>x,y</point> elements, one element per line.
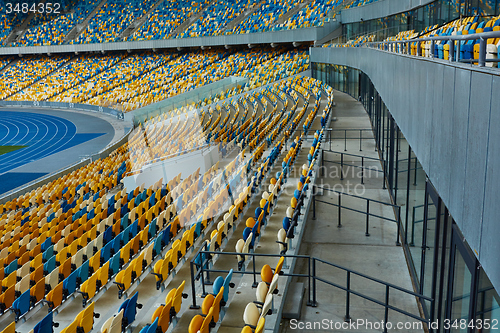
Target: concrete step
<point>78,28</point>
<point>292,12</point>
<point>293,301</point>
<point>240,18</point>
<point>183,26</point>
<point>134,26</point>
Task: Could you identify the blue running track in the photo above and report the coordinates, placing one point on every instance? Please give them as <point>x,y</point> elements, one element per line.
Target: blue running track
<point>43,135</point>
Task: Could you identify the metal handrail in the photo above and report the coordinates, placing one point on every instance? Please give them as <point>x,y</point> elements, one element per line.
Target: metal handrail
<point>198,271</point>
<point>482,36</point>
<point>367,213</point>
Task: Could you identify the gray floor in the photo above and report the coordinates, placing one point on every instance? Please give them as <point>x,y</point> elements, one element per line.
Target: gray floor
<point>376,255</point>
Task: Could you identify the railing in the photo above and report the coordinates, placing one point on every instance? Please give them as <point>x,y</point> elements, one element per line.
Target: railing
<point>342,164</point>
<point>454,47</point>
<point>329,137</point>
<point>199,271</point>
<point>367,213</point>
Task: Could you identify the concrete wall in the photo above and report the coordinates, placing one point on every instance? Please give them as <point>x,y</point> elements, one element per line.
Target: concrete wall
<point>170,168</point>
<point>450,115</point>
<point>381,8</point>
<point>60,105</point>
<point>283,36</point>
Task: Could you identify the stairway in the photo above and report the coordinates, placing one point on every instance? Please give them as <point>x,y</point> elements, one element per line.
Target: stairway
<point>293,11</point>
<point>134,26</point>
<point>183,26</point>
<point>240,18</point>
<point>77,29</point>
<point>18,32</point>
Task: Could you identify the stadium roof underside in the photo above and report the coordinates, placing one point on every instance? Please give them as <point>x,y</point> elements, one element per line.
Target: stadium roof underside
<point>311,34</point>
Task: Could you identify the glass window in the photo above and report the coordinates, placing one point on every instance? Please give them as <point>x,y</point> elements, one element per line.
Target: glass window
<point>488,308</point>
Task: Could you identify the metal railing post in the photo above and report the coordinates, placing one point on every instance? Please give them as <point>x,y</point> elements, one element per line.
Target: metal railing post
<point>314,303</point>
<point>345,140</point>
<point>386,312</point>
<point>347,317</point>
<point>255,284</point>
<point>451,55</point>
<point>367,233</point>
<point>322,163</point>
<point>412,242</point>
<point>433,47</point>
<point>340,208</point>
<point>309,301</point>
<point>482,52</point>
<point>330,134</point>
<point>398,243</point>
<point>314,202</point>
<point>341,166</point>
<point>193,289</point>
<point>360,139</point>
<point>419,49</point>
<point>458,51</point>
<point>362,169</point>
<point>204,293</point>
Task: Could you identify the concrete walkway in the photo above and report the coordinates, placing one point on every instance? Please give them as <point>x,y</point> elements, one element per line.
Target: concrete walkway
<point>375,255</point>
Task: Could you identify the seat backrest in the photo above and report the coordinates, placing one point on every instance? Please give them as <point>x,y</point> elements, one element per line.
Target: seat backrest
<point>260,325</point>
<point>251,315</point>
<point>131,308</point>
<point>267,305</point>
<point>208,301</point>
<point>261,292</point>
<point>274,284</point>
<point>195,324</point>
<point>217,284</point>
<point>44,325</point>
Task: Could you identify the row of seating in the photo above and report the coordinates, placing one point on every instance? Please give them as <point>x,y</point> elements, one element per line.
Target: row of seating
<point>123,254</point>
<point>162,22</point>
<point>129,82</point>
<point>215,18</point>
<point>23,73</point>
<point>111,20</point>
<point>312,15</point>
<point>55,29</point>
<point>125,316</point>
<point>57,86</point>
<point>469,49</point>
<point>357,3</point>
<point>268,14</point>
<point>89,287</point>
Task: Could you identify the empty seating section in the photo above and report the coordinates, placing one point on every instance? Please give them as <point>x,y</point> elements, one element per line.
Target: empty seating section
<point>162,22</point>
<point>72,235</point>
<point>128,81</point>
<point>124,71</point>
<point>53,87</point>
<point>265,17</point>
<point>54,31</point>
<point>469,49</point>
<point>111,19</point>
<point>359,41</point>
<point>313,14</point>
<point>23,73</point>
<point>215,18</point>
<point>356,3</point>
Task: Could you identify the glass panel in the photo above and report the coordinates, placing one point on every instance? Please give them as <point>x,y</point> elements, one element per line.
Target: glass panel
<point>488,308</point>
<point>430,249</point>
<point>461,293</point>
<point>416,194</point>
